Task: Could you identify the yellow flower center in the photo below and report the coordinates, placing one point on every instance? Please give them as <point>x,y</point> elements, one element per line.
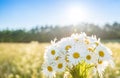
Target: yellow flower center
<point>57,58</point>
<point>87,41</point>
<point>91,49</point>
<point>101,53</point>
<point>60,65</point>
<point>53,52</point>
<point>67,47</point>
<point>49,68</point>
<point>100,62</point>
<point>76,55</point>
<point>88,57</point>
<point>76,39</point>
<point>97,43</point>
<point>66,59</point>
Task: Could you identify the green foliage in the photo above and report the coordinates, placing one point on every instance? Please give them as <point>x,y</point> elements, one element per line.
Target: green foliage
<point>48,33</point>
<point>81,70</point>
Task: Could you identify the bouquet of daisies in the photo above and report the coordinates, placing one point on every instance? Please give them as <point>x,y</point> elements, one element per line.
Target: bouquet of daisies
<point>77,55</point>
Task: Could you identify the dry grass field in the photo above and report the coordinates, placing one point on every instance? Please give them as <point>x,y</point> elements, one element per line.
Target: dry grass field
<point>24,60</point>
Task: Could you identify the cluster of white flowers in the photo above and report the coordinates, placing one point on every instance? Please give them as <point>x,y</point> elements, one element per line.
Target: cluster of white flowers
<point>70,51</point>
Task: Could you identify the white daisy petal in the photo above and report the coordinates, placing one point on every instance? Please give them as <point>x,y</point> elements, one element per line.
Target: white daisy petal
<point>90,58</point>
<point>103,52</point>
<point>60,65</point>
<point>51,52</point>
<point>76,54</point>
<point>49,69</point>
<point>100,67</point>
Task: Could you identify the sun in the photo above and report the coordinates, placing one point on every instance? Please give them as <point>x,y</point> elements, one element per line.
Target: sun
<point>76,14</point>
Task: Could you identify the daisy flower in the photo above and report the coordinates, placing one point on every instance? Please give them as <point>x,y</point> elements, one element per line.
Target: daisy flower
<point>76,54</point>
<point>51,52</point>
<point>103,52</point>
<point>66,43</point>
<point>91,41</point>
<point>60,65</point>
<point>78,37</point>
<point>48,70</point>
<point>90,57</point>
<point>63,56</point>
<point>100,67</point>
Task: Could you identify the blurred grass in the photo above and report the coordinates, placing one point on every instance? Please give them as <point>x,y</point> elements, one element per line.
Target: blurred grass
<point>23,60</point>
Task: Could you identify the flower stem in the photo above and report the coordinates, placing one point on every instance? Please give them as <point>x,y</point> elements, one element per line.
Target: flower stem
<point>80,70</point>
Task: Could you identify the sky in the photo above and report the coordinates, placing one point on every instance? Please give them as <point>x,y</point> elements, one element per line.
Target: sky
<point>15,14</point>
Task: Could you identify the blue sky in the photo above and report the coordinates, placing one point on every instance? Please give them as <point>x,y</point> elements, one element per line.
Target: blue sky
<point>15,14</point>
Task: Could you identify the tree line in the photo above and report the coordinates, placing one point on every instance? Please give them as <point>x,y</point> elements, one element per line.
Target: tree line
<point>48,33</point>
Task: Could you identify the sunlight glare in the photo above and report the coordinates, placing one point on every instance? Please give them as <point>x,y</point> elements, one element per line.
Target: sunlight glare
<point>76,14</point>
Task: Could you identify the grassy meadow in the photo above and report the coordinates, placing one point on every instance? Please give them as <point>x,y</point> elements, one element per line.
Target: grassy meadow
<point>24,60</point>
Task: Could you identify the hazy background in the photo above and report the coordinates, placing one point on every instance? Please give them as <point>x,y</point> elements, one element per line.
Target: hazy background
<point>28,26</point>
<point>43,20</point>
